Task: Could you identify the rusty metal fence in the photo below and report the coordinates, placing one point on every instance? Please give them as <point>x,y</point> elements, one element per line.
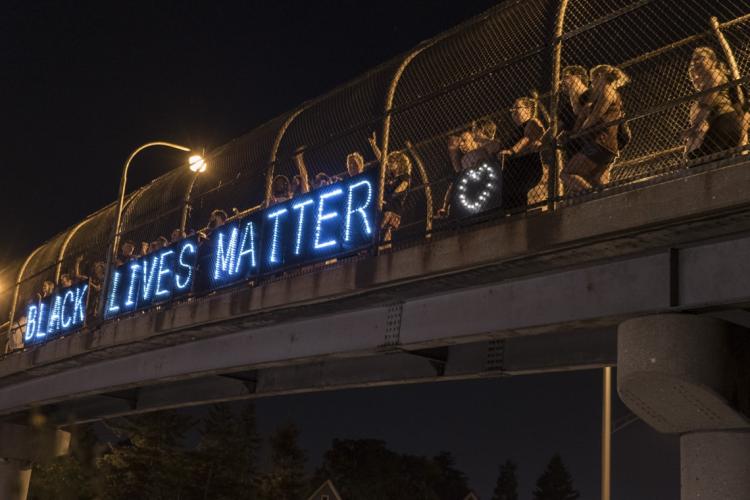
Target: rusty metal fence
<point>530,106</point>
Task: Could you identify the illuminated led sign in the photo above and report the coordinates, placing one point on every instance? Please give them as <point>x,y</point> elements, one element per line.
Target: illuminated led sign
<point>60,313</point>
<point>325,223</point>
<point>153,278</point>
<point>477,189</point>
<point>319,225</point>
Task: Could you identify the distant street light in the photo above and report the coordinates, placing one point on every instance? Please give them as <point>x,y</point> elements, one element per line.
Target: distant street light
<point>196,163</point>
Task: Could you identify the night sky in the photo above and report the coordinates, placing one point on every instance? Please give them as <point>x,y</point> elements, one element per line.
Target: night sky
<point>83,83</point>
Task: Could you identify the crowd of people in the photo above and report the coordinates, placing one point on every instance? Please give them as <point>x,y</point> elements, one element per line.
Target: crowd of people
<point>592,133</point>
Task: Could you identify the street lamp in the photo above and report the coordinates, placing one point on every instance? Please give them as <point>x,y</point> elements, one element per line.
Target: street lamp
<point>196,163</point>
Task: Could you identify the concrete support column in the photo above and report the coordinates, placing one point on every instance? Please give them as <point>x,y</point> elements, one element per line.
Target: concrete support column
<point>20,446</point>
<point>14,479</point>
<point>715,465</point>
<point>679,373</point>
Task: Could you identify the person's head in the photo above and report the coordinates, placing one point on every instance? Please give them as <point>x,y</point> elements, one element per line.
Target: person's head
<point>100,269</point>
<point>355,163</point>
<point>65,280</point>
<point>162,242</point>
<point>217,218</point>
<point>399,164</point>
<point>466,142</point>
<point>177,235</point>
<point>128,248</point>
<point>605,75</point>
<point>484,129</point>
<point>144,247</point>
<point>48,288</point>
<point>322,180</point>
<point>524,109</point>
<point>280,187</point>
<point>704,59</point>
<point>573,75</point>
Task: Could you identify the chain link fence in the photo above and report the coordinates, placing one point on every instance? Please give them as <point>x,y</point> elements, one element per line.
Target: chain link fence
<point>532,105</point>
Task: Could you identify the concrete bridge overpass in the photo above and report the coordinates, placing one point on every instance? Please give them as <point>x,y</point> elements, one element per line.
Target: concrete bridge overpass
<point>649,274</point>
<point>511,296</point>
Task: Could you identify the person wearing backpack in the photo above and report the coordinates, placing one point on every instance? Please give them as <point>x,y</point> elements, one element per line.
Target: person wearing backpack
<point>601,139</point>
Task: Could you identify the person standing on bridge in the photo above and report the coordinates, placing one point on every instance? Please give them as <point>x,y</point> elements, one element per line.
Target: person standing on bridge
<point>127,253</point>
<point>574,84</point>
<point>600,137</point>
<point>468,150</point>
<point>716,119</point>
<point>397,182</point>
<point>522,165</point>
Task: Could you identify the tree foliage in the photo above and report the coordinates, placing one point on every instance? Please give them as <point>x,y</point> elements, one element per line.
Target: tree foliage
<point>555,483</point>
<point>506,487</point>
<point>366,469</point>
<point>285,479</point>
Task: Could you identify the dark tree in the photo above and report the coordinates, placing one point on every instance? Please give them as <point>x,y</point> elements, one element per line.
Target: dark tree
<point>366,469</point>
<point>506,487</point>
<point>149,461</point>
<point>72,476</point>
<point>361,468</point>
<point>555,482</point>
<point>451,482</point>
<point>286,478</point>
<point>226,459</point>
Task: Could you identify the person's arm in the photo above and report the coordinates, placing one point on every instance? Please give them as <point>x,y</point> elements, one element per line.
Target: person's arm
<point>600,106</point>
<point>454,153</point>
<point>299,160</point>
<point>715,79</point>
<point>373,140</point>
<point>402,186</point>
<point>77,269</point>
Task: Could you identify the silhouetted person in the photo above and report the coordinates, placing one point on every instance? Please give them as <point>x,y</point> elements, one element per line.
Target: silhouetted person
<point>599,140</point>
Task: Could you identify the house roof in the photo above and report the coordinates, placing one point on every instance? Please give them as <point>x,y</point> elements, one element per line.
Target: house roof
<point>328,484</point>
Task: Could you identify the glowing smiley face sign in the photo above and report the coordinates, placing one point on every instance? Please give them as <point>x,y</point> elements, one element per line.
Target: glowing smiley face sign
<point>60,313</point>
<point>477,188</point>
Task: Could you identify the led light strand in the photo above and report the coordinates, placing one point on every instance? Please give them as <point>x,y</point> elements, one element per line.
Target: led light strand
<point>40,323</point>
<point>225,259</point>
<point>112,307</point>
<point>360,210</point>
<point>275,215</point>
<point>300,223</point>
<point>148,276</point>
<point>248,231</point>
<point>31,322</point>
<point>66,324</point>
<point>130,300</point>
<point>189,277</point>
<point>162,272</point>
<point>324,217</point>
<point>79,305</point>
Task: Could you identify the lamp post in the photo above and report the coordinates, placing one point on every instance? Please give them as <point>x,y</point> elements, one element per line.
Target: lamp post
<point>196,163</point>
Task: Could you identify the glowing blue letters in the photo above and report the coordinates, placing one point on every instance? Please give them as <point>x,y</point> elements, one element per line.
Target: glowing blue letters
<point>361,209</point>
<point>182,285</point>
<point>67,311</point>
<point>163,271</point>
<point>153,278</point>
<point>322,217</point>
<point>325,223</point>
<point>300,222</point>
